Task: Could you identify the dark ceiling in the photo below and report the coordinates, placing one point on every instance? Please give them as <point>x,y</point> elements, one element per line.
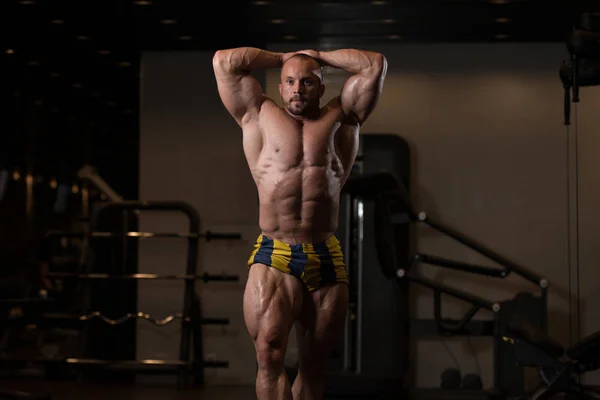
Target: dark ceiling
<point>72,79</point>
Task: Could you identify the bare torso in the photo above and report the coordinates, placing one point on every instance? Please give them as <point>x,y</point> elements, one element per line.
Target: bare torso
<point>299,171</point>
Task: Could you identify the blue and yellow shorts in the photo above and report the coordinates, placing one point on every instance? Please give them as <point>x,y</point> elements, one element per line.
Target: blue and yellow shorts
<point>317,265</point>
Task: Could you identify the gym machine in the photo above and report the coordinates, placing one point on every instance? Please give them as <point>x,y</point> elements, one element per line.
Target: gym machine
<point>393,211</point>
<point>559,369</point>
<point>583,67</point>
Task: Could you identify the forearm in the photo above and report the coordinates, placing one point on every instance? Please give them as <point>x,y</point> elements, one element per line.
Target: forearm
<point>351,60</point>
<point>248,58</point>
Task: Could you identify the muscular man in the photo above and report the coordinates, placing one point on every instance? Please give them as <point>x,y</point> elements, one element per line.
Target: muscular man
<point>300,156</point>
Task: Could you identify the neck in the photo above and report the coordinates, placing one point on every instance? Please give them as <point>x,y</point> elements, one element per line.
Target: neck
<point>313,113</point>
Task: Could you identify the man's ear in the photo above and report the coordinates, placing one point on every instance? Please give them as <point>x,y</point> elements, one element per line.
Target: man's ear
<point>321,90</point>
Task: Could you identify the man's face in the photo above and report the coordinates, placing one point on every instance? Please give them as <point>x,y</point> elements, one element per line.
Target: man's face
<point>301,85</point>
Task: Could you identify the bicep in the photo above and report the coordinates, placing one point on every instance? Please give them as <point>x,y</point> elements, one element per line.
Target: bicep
<point>361,92</point>
<point>241,93</point>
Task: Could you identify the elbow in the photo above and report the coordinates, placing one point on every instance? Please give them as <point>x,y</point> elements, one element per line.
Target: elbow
<point>379,64</point>
<point>220,59</point>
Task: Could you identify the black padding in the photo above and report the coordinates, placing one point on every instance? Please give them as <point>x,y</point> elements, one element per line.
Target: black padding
<point>450,379</point>
<point>590,21</point>
<point>584,44</point>
<point>588,349</point>
<point>372,185</point>
<point>472,382</point>
<point>522,329</point>
<point>385,245</point>
<point>588,73</point>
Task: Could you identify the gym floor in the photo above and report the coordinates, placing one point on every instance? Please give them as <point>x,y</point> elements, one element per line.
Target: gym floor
<point>78,391</point>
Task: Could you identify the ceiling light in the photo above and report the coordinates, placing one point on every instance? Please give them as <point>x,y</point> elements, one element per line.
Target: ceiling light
<point>27,2</point>
<point>10,51</point>
<point>277,21</point>
<point>393,37</point>
<point>124,64</point>
<point>388,21</point>
<point>379,2</point>
<point>104,52</point>
<point>142,3</point>
<point>185,37</point>
<point>168,21</point>
<point>34,63</point>
<point>498,1</point>
<point>290,37</point>
<point>502,20</point>
<point>500,36</point>
<point>261,3</point>
<point>58,21</point>
<point>82,37</point>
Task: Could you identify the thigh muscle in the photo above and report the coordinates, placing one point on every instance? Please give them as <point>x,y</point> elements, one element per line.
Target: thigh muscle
<point>322,319</point>
<point>272,302</point>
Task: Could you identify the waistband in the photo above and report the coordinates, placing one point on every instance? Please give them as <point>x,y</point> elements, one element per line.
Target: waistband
<point>333,239</point>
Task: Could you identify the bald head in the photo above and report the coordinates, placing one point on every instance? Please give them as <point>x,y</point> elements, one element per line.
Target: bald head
<point>303,62</point>
<point>301,86</point>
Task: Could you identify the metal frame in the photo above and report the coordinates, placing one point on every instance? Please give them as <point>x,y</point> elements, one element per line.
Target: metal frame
<point>191,316</point>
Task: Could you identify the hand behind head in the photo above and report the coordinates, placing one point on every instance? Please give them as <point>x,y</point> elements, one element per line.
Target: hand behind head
<point>311,53</point>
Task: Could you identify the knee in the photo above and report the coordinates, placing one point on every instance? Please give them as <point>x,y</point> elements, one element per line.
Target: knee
<point>270,351</point>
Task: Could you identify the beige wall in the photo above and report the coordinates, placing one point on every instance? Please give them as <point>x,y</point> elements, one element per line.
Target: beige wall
<point>190,150</point>
<point>489,158</point>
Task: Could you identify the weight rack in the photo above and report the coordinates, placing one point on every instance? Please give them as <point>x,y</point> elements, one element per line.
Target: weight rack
<point>191,316</point>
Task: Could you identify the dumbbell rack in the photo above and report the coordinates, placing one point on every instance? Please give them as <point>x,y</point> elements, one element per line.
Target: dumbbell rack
<point>191,317</point>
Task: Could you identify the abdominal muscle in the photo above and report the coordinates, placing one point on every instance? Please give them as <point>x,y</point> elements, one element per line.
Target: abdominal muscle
<point>300,203</point>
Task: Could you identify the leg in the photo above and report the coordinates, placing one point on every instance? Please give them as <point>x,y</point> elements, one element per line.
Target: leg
<point>319,329</point>
<point>272,302</point>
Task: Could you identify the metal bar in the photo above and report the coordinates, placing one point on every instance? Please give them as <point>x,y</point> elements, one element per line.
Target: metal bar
<point>360,267</point>
<point>146,362</point>
<point>473,328</point>
<point>509,265</point>
<point>131,316</point>
<point>204,277</point>
<point>461,266</point>
<point>459,294</point>
<point>88,173</point>
<point>348,245</point>
<point>144,235</point>
<point>189,297</point>
<point>150,364</point>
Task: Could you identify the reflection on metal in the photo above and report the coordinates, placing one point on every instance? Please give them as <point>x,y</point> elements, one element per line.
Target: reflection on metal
<point>130,316</point>
<point>205,277</point>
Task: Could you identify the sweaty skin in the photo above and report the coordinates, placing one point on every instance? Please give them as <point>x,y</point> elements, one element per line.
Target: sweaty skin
<point>300,156</point>
<point>299,171</point>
